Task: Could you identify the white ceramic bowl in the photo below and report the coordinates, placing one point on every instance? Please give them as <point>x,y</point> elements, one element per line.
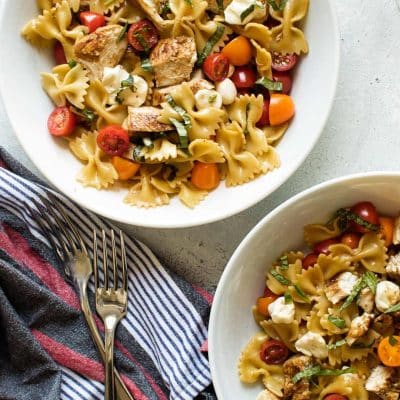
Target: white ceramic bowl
<point>231,322</point>
<point>28,108</point>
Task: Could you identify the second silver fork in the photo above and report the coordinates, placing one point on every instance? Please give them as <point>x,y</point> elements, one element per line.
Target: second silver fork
<point>111,300</point>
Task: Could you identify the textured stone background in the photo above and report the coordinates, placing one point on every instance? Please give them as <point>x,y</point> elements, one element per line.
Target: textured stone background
<point>362,134</point>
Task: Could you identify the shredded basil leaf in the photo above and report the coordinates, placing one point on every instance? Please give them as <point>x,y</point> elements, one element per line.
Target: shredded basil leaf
<point>72,63</point>
<point>121,35</point>
<point>140,38</point>
<point>336,372</point>
<point>338,322</point>
<point>146,64</point>
<point>277,7</point>
<point>165,9</point>
<point>345,216</point>
<point>280,278</point>
<point>270,84</point>
<point>393,309</point>
<point>207,49</point>
<point>393,341</point>
<point>337,344</point>
<point>212,98</point>
<point>89,115</point>
<point>371,280</point>
<point>220,4</point>
<point>284,263</point>
<point>247,12</point>
<point>182,133</point>
<point>360,285</point>
<point>128,83</point>
<point>316,370</point>
<point>361,345</point>
<point>137,154</point>
<point>301,293</point>
<point>179,110</point>
<point>288,298</point>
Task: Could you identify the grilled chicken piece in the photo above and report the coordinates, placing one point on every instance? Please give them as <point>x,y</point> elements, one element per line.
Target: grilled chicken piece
<point>359,327</point>
<point>379,382</point>
<point>145,119</point>
<point>301,389</point>
<point>100,49</point>
<point>173,60</point>
<point>195,85</point>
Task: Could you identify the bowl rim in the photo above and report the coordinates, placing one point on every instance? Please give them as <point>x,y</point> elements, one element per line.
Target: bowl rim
<point>230,269</point>
<point>181,223</point>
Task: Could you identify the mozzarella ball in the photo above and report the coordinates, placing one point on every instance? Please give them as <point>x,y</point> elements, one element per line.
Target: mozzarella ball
<point>227,90</point>
<point>208,98</point>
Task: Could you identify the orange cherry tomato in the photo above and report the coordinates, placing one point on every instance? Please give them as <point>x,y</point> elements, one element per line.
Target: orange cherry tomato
<point>387,228</point>
<point>389,351</point>
<point>351,239</point>
<point>126,169</point>
<point>263,303</point>
<point>205,176</point>
<point>238,51</point>
<point>281,108</point>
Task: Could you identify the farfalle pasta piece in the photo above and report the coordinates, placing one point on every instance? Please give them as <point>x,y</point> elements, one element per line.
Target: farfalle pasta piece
<point>287,333</point>
<point>129,12</point>
<point>275,133</point>
<point>162,150</point>
<point>332,264</point>
<point>204,150</point>
<point>287,38</point>
<point>241,165</point>
<point>311,280</point>
<point>66,84</point>
<point>190,195</point>
<point>263,60</point>
<point>74,5</point>
<point>96,173</point>
<point>291,274</point>
<point>256,31</point>
<point>104,6</point>
<point>348,385</point>
<point>269,160</point>
<point>315,233</point>
<point>345,353</point>
<point>150,7</point>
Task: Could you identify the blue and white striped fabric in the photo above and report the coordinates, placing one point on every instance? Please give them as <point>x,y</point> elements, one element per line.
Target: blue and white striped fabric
<point>161,320</point>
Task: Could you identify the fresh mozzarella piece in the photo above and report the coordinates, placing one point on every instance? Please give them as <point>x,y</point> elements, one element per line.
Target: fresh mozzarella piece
<point>280,312</point>
<point>387,295</point>
<point>227,90</point>
<point>136,96</point>
<point>312,344</point>
<point>206,98</point>
<point>112,78</point>
<point>233,13</point>
<point>340,287</point>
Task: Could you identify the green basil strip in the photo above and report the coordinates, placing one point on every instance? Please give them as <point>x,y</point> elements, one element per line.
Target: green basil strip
<point>348,215</point>
<point>211,42</point>
<point>128,83</point>
<point>362,345</point>
<point>182,133</point>
<point>360,285</point>
<point>165,9</point>
<point>393,341</point>
<point>179,110</point>
<point>270,84</point>
<point>146,64</point>
<point>212,98</point>
<point>284,263</point>
<point>247,12</point>
<point>371,280</point>
<point>142,41</point>
<point>288,298</point>
<point>301,293</point>
<point>280,278</point>
<point>277,7</point>
<point>318,371</point>
<point>336,372</point>
<point>338,322</point>
<point>121,35</point>
<point>72,63</point>
<point>393,309</point>
<point>137,154</point>
<point>337,344</point>
<point>220,4</point>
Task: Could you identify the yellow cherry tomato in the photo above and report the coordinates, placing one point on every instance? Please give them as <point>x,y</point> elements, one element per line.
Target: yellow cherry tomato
<point>238,51</point>
<point>281,108</point>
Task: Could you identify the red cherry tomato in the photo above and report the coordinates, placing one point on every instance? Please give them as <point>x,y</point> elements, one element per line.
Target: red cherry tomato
<point>216,66</point>
<point>61,122</point>
<point>269,293</point>
<point>335,396</point>
<point>351,240</point>
<point>274,352</point>
<point>143,35</point>
<point>309,260</point>
<point>92,20</point>
<point>113,140</point>
<point>59,54</point>
<point>323,247</point>
<point>283,62</point>
<point>367,212</point>
<point>244,77</point>
<point>264,120</point>
<point>286,80</point>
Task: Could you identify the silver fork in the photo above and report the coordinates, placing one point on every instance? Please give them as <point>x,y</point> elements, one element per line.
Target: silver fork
<point>72,253</point>
<point>111,302</point>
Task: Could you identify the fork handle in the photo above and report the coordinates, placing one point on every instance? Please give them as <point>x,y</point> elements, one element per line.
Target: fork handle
<point>110,324</point>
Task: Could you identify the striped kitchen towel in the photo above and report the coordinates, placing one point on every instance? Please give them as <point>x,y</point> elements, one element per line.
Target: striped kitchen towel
<point>46,351</point>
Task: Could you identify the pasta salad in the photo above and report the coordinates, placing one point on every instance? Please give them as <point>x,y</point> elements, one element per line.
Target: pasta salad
<point>170,97</point>
<point>330,318</point>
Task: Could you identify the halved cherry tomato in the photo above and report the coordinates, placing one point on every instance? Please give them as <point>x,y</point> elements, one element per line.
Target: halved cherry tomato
<point>263,303</point>
<point>216,67</point>
<point>126,169</point>
<point>268,292</point>
<point>92,20</point>
<point>281,108</point>
<point>309,260</point>
<point>274,352</point>
<point>286,80</point>
<point>335,396</point>
<point>205,176</point>
<point>283,62</point>
<point>244,77</point>
<point>351,239</point>
<point>113,140</point>
<point>323,247</point>
<point>238,51</point>
<point>387,229</point>
<point>143,35</point>
<point>367,211</point>
<point>59,54</point>
<point>389,351</point>
<point>61,122</point>
<point>264,120</point>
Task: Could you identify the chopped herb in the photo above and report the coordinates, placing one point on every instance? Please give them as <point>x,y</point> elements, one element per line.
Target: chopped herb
<point>277,7</point>
<point>393,309</point>
<point>249,10</point>
<point>371,280</point>
<point>72,63</point>
<point>220,4</point>
<point>185,116</point>
<point>270,84</point>
<point>361,345</point>
<point>393,341</point>
<point>88,115</point>
<point>337,344</point>
<point>146,64</point>
<point>215,37</point>
<point>147,142</point>
<point>338,322</point>
<point>123,32</point>
<point>212,98</point>
<point>182,133</point>
<point>280,278</point>
<point>137,154</point>
<point>140,38</point>
<point>345,216</point>
<point>128,83</point>
<point>189,2</point>
<point>360,285</point>
<point>301,293</point>
<point>316,370</point>
<point>165,9</point>
<point>246,129</point>
<point>284,263</point>
<point>288,298</point>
